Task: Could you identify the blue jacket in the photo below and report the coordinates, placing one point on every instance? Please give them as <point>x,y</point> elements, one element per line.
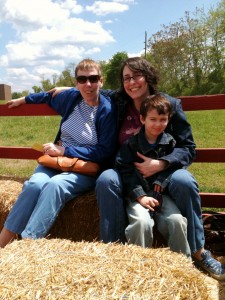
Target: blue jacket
<point>134,183</point>
<point>178,126</point>
<point>105,122</point>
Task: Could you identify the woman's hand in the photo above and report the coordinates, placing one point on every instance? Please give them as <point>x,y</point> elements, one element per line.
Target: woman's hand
<point>148,202</point>
<point>150,166</point>
<point>53,149</point>
<point>57,90</point>
<point>16,102</point>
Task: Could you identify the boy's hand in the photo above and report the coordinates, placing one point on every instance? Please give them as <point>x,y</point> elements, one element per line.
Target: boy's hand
<point>148,202</point>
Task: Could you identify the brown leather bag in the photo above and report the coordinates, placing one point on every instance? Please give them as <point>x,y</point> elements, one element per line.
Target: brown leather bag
<point>67,164</point>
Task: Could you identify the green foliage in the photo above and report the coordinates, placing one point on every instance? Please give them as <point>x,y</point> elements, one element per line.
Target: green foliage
<point>16,95</point>
<point>47,85</point>
<point>36,89</point>
<point>67,78</point>
<point>112,70</point>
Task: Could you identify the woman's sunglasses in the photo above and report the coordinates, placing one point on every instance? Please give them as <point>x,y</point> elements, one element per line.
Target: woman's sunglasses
<point>91,79</point>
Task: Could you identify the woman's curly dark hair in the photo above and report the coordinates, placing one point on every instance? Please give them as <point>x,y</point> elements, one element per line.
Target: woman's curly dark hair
<point>141,65</point>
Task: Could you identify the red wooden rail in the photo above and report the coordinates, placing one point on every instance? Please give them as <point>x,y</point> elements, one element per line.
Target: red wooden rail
<point>189,103</point>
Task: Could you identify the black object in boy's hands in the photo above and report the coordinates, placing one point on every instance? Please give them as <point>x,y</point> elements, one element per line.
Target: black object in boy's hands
<point>157,209</point>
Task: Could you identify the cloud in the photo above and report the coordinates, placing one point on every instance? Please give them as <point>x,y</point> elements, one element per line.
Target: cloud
<point>18,77</point>
<point>50,34</point>
<point>3,61</point>
<point>45,72</point>
<point>102,8</point>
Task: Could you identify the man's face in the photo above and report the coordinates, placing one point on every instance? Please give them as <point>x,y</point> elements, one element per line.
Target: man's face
<point>89,83</point>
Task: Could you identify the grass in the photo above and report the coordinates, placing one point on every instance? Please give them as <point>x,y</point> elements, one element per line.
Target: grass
<point>208,130</point>
<point>24,132</point>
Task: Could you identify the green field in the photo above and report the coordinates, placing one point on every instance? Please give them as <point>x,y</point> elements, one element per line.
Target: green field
<point>208,130</point>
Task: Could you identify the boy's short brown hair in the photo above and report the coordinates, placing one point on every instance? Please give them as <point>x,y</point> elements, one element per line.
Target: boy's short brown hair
<point>158,102</point>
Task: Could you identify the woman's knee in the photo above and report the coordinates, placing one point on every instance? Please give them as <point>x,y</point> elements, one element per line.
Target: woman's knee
<point>108,186</point>
<point>183,180</point>
<point>108,177</point>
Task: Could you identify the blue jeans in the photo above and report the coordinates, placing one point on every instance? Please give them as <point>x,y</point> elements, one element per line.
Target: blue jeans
<point>170,223</point>
<point>42,198</point>
<point>182,188</point>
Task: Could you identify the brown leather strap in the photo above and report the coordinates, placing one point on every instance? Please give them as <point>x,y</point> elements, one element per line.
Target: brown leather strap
<point>71,161</point>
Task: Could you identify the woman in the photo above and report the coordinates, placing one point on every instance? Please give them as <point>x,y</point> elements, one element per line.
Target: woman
<point>139,80</point>
<point>87,131</point>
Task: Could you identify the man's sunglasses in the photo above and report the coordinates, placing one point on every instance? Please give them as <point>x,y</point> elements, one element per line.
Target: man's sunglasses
<point>91,79</point>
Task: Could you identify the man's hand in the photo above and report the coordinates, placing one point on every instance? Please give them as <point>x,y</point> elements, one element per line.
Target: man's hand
<point>53,149</point>
<point>150,166</point>
<point>16,102</point>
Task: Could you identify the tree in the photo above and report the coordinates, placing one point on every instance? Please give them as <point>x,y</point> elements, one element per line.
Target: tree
<point>67,78</point>
<point>36,89</point>
<point>46,85</point>
<point>112,70</point>
<point>180,52</point>
<point>216,25</point>
<point>16,95</point>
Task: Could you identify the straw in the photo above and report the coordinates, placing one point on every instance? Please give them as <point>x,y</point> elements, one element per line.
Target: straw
<point>61,269</point>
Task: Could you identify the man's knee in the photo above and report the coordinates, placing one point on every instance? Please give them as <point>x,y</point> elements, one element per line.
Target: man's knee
<point>32,186</point>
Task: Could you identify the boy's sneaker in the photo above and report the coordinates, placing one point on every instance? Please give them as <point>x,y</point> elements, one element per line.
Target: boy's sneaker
<point>211,265</point>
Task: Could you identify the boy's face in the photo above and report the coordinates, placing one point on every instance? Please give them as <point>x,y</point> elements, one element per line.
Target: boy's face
<point>154,123</point>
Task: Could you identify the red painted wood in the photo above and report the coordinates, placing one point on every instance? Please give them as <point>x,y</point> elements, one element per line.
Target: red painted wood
<point>27,110</point>
<point>213,155</point>
<point>19,153</point>
<point>203,154</point>
<point>206,102</point>
<point>213,200</point>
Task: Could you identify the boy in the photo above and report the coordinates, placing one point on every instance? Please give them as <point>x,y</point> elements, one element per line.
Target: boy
<point>152,142</point>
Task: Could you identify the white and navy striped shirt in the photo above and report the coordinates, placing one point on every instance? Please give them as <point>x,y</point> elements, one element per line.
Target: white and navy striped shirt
<point>79,129</point>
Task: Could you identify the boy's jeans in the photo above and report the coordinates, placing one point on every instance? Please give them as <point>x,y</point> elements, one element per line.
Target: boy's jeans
<point>182,188</point>
<point>170,223</point>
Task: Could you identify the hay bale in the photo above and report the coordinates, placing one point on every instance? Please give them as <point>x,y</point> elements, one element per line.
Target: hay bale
<point>9,191</point>
<point>79,219</point>
<point>61,269</point>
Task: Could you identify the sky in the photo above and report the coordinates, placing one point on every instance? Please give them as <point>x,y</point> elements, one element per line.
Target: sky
<point>40,38</point>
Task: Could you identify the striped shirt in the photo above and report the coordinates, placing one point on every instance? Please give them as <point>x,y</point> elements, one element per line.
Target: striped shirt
<point>79,129</point>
